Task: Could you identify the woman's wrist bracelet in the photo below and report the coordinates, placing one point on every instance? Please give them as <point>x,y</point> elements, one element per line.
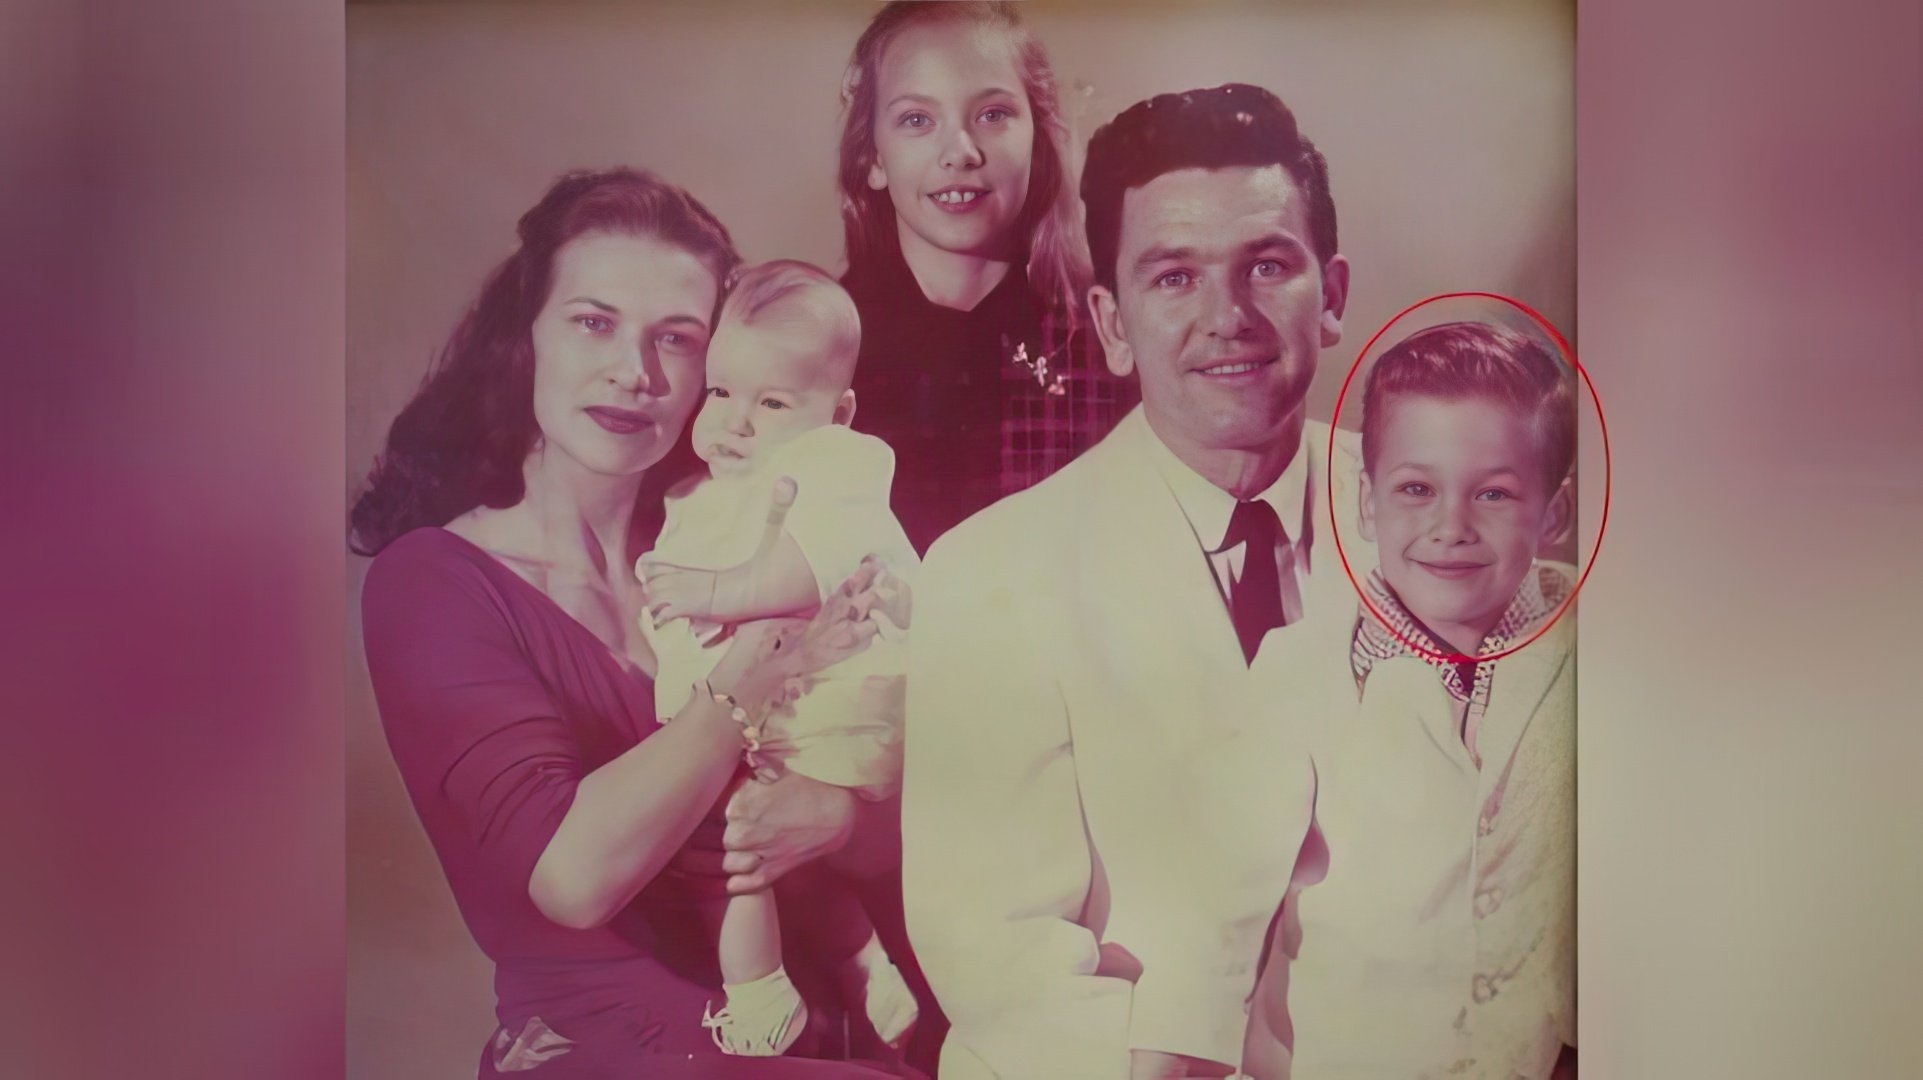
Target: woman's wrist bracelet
<point>750,730</point>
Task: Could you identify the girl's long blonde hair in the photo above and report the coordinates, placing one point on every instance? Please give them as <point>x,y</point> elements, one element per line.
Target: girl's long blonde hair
<point>1057,255</point>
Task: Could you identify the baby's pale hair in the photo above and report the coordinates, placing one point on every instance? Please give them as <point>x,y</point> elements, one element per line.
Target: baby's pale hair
<point>792,293</point>
<point>1461,360</point>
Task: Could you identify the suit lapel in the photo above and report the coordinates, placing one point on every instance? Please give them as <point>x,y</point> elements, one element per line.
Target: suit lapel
<point>1151,550</point>
<point>1303,674</point>
<point>1158,693</point>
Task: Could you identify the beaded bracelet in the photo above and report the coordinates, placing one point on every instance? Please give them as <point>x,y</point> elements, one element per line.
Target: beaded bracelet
<point>750,731</point>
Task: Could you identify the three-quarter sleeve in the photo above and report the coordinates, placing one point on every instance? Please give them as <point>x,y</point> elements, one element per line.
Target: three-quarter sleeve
<point>482,745</point>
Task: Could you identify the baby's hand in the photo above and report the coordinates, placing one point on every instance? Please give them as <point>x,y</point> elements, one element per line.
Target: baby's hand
<point>676,592</point>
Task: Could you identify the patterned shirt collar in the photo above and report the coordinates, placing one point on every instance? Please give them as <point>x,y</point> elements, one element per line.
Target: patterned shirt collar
<point>1541,592</point>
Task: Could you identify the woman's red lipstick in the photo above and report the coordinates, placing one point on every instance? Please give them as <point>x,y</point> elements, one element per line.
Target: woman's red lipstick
<point>619,421</point>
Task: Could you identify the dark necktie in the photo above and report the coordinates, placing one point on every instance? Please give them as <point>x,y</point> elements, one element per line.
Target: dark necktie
<point>1255,600</point>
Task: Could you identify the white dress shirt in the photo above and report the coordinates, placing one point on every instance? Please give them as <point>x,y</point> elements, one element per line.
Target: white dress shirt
<point>1209,508</point>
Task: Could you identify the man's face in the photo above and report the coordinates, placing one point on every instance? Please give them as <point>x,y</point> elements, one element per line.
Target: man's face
<point>1221,305</point>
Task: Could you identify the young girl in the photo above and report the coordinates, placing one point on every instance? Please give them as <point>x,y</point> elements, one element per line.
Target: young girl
<point>775,417</point>
<point>965,260</point>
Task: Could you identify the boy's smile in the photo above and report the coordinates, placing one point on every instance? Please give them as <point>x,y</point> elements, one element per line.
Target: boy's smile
<point>1451,571</point>
<point>1458,506</point>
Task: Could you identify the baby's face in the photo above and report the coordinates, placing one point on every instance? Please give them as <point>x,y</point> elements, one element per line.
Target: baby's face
<point>766,385</point>
<point>1458,506</point>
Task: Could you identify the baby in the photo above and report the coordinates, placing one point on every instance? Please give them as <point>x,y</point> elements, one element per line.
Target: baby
<point>775,421</point>
<point>1441,941</point>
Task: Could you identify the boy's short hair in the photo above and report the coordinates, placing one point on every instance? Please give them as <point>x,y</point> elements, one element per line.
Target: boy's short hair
<point>1231,125</point>
<point>795,292</point>
<point>1461,360</point>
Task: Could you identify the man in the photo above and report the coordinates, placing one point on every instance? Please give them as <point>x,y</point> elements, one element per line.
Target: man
<point>1115,672</point>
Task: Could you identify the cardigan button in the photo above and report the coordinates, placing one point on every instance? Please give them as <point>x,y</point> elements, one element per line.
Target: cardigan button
<point>1482,989</point>
<point>1487,901</point>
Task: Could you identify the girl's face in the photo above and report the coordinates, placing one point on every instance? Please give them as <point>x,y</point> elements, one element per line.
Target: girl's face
<point>618,350</point>
<point>954,138</point>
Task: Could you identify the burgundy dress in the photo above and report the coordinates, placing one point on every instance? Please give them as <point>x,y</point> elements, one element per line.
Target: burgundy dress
<point>496,703</point>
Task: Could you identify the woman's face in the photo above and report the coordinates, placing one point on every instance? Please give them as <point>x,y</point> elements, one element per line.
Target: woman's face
<point>954,138</point>
<point>618,350</point>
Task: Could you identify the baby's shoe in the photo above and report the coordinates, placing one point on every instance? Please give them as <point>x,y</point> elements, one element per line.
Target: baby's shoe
<point>762,1018</point>
<point>872,979</point>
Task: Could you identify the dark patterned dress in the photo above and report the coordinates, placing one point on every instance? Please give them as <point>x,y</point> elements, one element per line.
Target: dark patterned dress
<point>977,405</point>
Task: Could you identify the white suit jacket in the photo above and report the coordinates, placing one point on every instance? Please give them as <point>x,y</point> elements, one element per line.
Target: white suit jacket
<point>1090,761</point>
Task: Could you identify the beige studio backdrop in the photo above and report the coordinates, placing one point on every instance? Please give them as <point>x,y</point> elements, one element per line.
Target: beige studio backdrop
<point>1449,130</point>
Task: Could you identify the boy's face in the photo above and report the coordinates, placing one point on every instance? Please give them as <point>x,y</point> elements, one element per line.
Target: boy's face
<point>1458,506</point>
<point>766,385</point>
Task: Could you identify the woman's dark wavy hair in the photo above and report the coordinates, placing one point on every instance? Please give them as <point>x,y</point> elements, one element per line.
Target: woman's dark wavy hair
<point>461,442</point>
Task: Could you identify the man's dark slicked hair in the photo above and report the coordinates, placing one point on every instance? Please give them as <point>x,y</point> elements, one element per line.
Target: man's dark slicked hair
<point>1231,125</point>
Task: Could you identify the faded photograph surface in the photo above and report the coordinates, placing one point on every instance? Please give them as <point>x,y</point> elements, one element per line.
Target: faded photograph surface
<point>863,573</point>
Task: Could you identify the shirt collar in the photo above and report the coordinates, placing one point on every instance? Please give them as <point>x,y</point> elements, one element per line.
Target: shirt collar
<point>1542,591</point>
<point>1208,508</point>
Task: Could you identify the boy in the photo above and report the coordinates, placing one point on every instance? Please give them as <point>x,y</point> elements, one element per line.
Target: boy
<point>775,419</point>
<point>1441,941</point>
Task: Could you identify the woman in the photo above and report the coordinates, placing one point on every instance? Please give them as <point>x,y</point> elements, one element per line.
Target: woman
<point>502,637</point>
<point>965,260</point>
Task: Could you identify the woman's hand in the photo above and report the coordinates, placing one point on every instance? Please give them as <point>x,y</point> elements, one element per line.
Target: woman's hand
<point>843,625</point>
<point>775,827</point>
<point>772,660</point>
